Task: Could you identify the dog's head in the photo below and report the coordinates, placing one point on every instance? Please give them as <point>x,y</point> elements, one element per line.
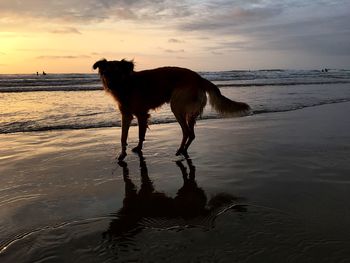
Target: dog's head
<point>116,70</point>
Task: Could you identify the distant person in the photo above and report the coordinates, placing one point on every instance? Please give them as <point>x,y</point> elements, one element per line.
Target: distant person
<point>37,73</point>
<point>44,73</point>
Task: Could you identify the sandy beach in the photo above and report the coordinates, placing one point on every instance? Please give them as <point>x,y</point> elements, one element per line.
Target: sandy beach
<point>264,188</point>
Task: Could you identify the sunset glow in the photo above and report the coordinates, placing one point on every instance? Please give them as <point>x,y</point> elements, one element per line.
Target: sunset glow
<point>69,36</point>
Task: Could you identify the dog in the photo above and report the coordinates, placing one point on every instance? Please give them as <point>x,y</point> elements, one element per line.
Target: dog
<point>137,92</point>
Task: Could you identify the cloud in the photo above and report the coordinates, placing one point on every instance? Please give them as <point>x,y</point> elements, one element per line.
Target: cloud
<point>174,51</point>
<point>317,27</point>
<point>225,47</point>
<point>96,53</point>
<point>176,41</point>
<point>75,11</point>
<point>326,35</point>
<point>63,57</point>
<point>220,24</point>
<point>225,16</point>
<point>66,30</point>
<point>216,53</point>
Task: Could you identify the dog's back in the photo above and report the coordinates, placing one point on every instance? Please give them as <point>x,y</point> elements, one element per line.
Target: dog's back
<point>162,81</point>
<point>149,89</point>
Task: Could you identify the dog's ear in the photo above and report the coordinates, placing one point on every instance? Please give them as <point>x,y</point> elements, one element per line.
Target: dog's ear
<point>127,66</point>
<point>100,64</point>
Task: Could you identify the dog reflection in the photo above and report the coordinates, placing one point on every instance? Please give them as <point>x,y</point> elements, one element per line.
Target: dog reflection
<point>148,207</point>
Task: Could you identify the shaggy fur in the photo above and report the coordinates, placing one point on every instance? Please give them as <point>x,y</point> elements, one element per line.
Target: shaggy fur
<point>138,92</point>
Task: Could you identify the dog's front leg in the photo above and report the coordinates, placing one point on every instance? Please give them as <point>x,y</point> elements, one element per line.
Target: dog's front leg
<point>142,120</point>
<point>126,120</point>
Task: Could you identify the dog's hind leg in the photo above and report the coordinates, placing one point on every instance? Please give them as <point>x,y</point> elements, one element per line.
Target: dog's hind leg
<point>186,103</point>
<point>191,121</point>
<point>185,134</point>
<point>142,121</point>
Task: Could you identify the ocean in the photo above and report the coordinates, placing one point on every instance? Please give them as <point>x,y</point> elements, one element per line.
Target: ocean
<point>30,103</point>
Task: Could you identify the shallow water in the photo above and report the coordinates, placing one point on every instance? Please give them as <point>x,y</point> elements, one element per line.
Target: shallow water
<point>76,101</point>
<point>266,188</point>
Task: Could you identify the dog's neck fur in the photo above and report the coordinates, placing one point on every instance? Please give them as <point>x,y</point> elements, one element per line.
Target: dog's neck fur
<point>117,88</point>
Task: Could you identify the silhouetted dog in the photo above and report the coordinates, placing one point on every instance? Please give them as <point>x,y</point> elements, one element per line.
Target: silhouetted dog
<point>138,92</point>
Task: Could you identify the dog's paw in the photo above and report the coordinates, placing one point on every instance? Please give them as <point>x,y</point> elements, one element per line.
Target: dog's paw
<point>182,152</point>
<point>137,149</point>
<point>185,154</point>
<point>121,156</point>
<point>178,152</point>
<point>122,164</point>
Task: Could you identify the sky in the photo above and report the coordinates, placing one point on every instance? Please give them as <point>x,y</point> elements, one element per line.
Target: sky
<point>68,36</point>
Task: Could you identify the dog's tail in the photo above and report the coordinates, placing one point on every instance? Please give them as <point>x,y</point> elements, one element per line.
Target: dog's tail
<point>224,105</point>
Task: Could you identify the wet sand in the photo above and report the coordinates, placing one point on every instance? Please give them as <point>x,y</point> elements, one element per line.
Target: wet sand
<point>265,188</point>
